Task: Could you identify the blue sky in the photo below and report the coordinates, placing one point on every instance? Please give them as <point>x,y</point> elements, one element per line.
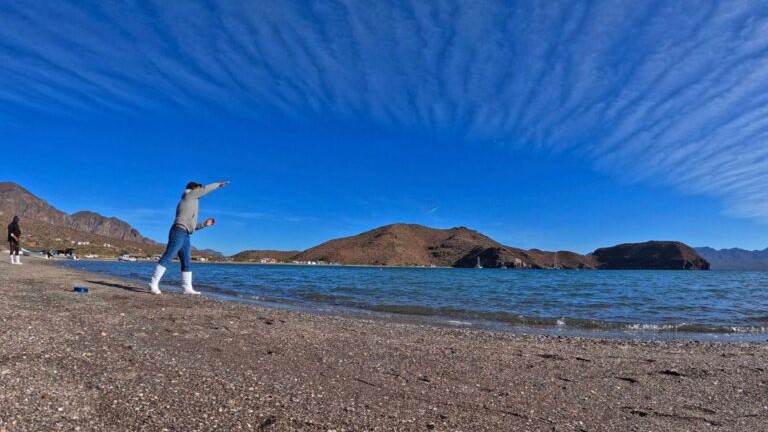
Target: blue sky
<point>557,125</point>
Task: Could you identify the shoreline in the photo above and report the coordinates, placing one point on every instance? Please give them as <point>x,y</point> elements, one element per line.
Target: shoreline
<point>100,259</point>
<point>122,359</point>
<point>395,266</point>
<point>479,320</point>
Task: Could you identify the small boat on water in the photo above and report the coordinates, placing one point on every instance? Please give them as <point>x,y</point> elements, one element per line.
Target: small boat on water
<point>126,258</point>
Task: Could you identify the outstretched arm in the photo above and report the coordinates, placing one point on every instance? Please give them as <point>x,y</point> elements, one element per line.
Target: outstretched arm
<point>208,222</point>
<point>205,190</point>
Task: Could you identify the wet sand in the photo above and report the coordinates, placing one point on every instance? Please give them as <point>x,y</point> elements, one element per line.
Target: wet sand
<point>121,359</point>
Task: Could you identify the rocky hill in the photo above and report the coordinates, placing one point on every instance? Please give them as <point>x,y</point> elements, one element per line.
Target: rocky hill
<point>46,227</point>
<point>212,253</point>
<point>417,245</point>
<point>402,245</point>
<point>735,258</point>
<point>257,255</point>
<point>15,200</point>
<point>653,254</point>
<point>95,223</point>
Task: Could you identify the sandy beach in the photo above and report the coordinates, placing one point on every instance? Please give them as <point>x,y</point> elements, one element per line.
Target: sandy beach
<point>122,359</point>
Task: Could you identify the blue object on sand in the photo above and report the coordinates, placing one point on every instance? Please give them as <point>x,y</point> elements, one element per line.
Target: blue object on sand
<point>81,290</point>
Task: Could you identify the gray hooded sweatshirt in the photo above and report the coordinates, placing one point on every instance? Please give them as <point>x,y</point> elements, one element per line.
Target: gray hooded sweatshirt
<point>189,207</point>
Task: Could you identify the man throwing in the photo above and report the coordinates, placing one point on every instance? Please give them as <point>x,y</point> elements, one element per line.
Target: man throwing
<point>178,238</point>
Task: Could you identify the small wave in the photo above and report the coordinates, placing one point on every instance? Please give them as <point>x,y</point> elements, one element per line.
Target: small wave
<point>325,298</point>
<point>459,323</point>
<point>695,328</point>
<point>584,324</point>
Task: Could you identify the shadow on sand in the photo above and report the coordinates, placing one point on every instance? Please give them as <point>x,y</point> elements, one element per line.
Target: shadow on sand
<point>121,286</point>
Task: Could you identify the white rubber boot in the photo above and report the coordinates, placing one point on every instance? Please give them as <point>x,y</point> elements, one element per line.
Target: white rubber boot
<point>154,284</point>
<point>186,283</point>
<point>13,259</point>
<point>18,259</point>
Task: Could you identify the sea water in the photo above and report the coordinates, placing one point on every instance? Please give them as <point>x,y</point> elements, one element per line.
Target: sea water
<point>724,305</point>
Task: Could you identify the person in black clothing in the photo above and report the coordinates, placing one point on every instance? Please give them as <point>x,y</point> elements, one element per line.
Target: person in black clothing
<point>14,239</point>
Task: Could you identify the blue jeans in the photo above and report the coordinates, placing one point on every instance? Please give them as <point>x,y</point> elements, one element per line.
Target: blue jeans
<point>178,245</point>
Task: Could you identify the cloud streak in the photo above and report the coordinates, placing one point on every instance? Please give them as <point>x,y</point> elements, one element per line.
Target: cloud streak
<point>667,92</point>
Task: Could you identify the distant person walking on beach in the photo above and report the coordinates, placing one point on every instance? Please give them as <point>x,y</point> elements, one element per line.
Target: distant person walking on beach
<point>178,238</point>
<point>14,239</point>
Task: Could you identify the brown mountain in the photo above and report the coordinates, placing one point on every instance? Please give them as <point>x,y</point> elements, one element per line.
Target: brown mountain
<point>15,200</point>
<point>566,260</point>
<point>257,255</point>
<point>95,223</point>
<point>401,245</point>
<point>417,245</point>
<point>46,227</point>
<point>212,253</point>
<point>662,255</point>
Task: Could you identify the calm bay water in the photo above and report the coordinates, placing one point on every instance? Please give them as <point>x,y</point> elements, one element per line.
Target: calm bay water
<point>620,301</point>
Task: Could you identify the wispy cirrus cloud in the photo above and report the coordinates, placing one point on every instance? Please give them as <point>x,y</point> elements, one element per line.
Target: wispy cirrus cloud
<point>669,92</point>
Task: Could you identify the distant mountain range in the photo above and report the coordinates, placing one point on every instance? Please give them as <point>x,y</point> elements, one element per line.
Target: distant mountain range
<point>17,201</point>
<point>735,258</point>
<point>417,245</point>
<point>46,227</point>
